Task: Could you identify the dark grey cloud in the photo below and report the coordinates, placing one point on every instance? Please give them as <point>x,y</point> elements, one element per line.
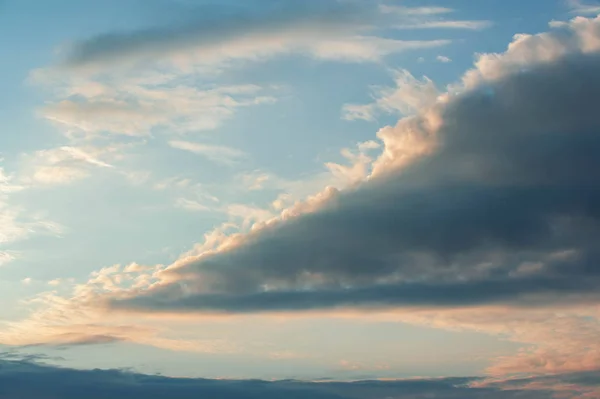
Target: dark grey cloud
<point>27,380</point>
<point>515,181</point>
<point>14,355</point>
<point>581,379</point>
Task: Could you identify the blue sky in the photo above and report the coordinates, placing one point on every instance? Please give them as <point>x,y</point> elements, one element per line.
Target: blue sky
<point>236,189</point>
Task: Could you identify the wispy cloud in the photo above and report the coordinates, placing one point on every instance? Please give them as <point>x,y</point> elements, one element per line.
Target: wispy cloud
<point>15,222</point>
<point>215,153</point>
<point>451,24</point>
<point>414,11</point>
<point>429,18</point>
<point>135,106</point>
<point>79,318</point>
<point>191,205</point>
<point>329,30</point>
<point>6,257</point>
<point>64,165</point>
<point>583,8</point>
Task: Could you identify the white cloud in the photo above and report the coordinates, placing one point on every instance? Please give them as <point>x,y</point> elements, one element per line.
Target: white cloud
<point>443,59</point>
<point>6,257</point>
<point>135,106</point>
<point>249,214</point>
<point>429,18</point>
<point>64,165</point>
<point>15,223</point>
<point>255,181</point>
<point>100,116</point>
<point>451,24</point>
<point>367,48</point>
<point>215,153</point>
<point>191,205</point>
<point>7,185</point>
<point>583,8</point>
<point>526,51</point>
<point>414,11</point>
<point>60,322</point>
<point>409,95</point>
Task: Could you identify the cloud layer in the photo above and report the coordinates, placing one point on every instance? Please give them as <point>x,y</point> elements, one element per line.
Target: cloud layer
<point>28,380</point>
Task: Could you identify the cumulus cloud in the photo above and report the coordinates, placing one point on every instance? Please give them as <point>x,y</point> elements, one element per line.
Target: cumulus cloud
<point>505,177</point>
<point>409,96</point>
<point>26,379</point>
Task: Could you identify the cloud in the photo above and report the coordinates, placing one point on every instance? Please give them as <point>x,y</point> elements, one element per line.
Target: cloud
<point>215,153</point>
<point>6,257</point>
<point>443,59</point>
<point>582,8</point>
<point>354,167</point>
<point>100,116</point>
<point>62,323</point>
<point>584,385</point>
<point>470,25</point>
<point>135,106</point>
<point>553,339</point>
<point>64,165</point>
<point>26,379</point>
<point>409,96</point>
<point>580,36</point>
<point>112,95</point>
<point>191,205</point>
<point>414,11</point>
<point>330,30</point>
<point>428,18</point>
<point>501,174</point>
<point>15,223</point>
<point>249,214</point>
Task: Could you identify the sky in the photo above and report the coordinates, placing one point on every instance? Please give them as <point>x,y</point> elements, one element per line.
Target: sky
<point>279,198</point>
